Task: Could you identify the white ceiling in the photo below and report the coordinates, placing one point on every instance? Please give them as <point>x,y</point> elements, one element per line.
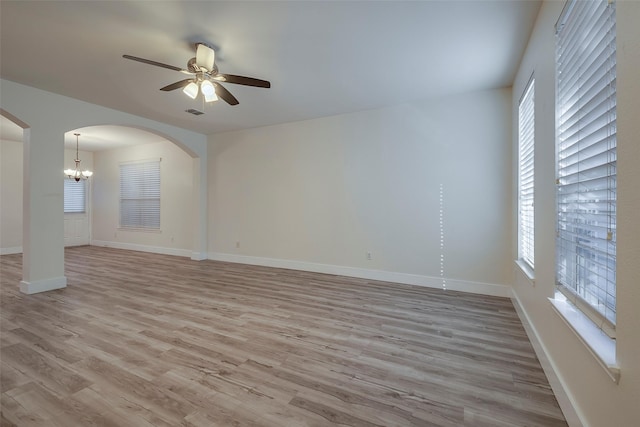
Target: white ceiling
<point>322,58</point>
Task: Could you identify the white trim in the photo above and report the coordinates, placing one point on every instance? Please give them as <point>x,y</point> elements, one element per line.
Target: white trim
<point>198,256</point>
<point>142,248</point>
<point>76,241</point>
<point>600,345</point>
<point>526,270</point>
<point>362,273</point>
<point>11,251</point>
<point>565,294</point>
<point>560,390</point>
<point>526,173</point>
<point>43,285</point>
<point>141,229</point>
<point>133,162</point>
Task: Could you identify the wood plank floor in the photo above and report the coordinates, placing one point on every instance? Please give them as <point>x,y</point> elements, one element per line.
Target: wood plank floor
<point>140,339</point>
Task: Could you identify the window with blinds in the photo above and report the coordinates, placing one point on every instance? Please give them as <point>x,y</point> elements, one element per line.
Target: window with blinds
<point>586,157</point>
<point>526,137</point>
<point>140,195</point>
<point>74,196</point>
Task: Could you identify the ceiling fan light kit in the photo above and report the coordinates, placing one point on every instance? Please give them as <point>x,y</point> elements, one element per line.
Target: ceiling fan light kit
<point>208,91</point>
<point>191,90</point>
<point>205,78</point>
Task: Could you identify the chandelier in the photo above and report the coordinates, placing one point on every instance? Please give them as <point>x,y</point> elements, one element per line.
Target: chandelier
<point>76,173</point>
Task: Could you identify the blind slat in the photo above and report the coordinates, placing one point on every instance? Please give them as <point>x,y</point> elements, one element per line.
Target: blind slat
<point>74,196</point>
<point>586,153</point>
<point>140,195</point>
<point>526,144</point>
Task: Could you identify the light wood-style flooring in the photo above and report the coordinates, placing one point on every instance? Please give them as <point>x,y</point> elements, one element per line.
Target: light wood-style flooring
<point>140,339</point>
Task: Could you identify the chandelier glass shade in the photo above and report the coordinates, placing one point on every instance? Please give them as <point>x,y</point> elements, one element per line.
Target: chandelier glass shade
<point>76,173</point>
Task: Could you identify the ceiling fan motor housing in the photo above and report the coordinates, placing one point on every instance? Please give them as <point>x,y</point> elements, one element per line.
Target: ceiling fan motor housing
<point>193,67</point>
<point>205,57</point>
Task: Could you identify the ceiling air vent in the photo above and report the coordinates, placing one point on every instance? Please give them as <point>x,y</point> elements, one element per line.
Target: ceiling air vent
<point>194,112</point>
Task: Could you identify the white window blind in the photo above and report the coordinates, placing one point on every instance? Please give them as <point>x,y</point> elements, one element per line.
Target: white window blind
<point>74,196</point>
<point>586,155</point>
<point>526,137</point>
<point>140,195</point>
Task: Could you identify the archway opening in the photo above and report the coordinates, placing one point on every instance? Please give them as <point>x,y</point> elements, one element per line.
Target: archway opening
<point>141,193</point>
<point>11,190</point>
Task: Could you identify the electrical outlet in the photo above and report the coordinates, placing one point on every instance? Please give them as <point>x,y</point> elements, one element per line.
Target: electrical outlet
<point>369,256</point>
<point>237,245</point>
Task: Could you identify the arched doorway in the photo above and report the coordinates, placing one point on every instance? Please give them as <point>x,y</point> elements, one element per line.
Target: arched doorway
<point>187,239</point>
<point>114,151</point>
<point>49,117</point>
<point>11,149</point>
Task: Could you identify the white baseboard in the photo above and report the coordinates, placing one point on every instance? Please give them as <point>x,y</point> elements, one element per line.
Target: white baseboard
<point>43,285</point>
<point>199,256</point>
<point>142,248</point>
<point>11,251</point>
<point>18,249</point>
<point>362,273</point>
<point>81,241</point>
<point>564,398</point>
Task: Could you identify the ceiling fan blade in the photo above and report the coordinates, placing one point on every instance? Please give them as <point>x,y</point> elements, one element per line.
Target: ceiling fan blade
<point>241,80</point>
<point>176,85</point>
<point>225,94</point>
<point>157,64</point>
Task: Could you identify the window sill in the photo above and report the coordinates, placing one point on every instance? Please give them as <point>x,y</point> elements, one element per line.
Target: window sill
<point>527,270</point>
<point>600,345</point>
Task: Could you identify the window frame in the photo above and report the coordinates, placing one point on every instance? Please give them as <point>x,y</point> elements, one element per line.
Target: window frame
<point>79,184</point>
<point>604,320</point>
<point>141,186</point>
<point>526,178</point>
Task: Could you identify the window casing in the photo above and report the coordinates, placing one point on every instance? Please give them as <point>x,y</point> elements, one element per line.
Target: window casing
<point>140,195</point>
<point>526,148</point>
<point>586,156</point>
<point>75,196</point>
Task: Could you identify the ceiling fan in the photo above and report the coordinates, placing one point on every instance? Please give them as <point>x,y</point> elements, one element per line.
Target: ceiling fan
<point>205,77</point>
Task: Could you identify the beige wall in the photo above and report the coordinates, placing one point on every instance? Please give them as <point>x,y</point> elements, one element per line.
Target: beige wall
<point>176,236</point>
<point>10,197</point>
<point>76,226</point>
<point>176,198</point>
<point>596,398</point>
<point>46,118</point>
<point>328,191</point>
